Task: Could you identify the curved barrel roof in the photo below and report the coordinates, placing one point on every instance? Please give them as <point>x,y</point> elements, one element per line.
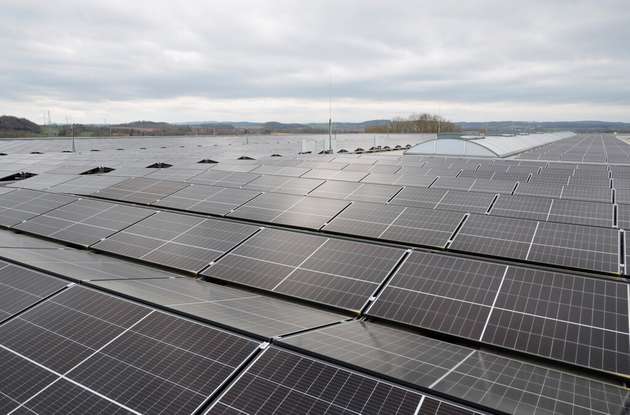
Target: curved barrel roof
<point>493,146</point>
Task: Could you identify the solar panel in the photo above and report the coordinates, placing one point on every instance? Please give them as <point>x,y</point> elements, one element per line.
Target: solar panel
<point>129,354</point>
<point>581,213</point>
<point>514,386</point>
<point>364,219</point>
<point>540,189</point>
<point>208,199</point>
<point>340,273</point>
<point>10,239</point>
<point>326,174</point>
<point>216,177</point>
<point>84,185</point>
<point>575,319</point>
<point>20,288</point>
<point>470,202</point>
<point>230,307</point>
<point>305,212</point>
<point>81,265</point>
<point>22,204</point>
<point>84,222</point>
<point>178,241</point>
<point>523,207</point>
<point>496,236</point>
<point>442,293</point>
<point>576,246</point>
<point>423,227</point>
<point>291,185</point>
<point>365,192</point>
<point>419,197</point>
<point>140,190</point>
<point>65,397</point>
<point>493,186</point>
<point>454,183</point>
<point>383,350</point>
<point>43,182</point>
<point>284,382</point>
<point>592,193</point>
<point>623,216</point>
<point>281,170</point>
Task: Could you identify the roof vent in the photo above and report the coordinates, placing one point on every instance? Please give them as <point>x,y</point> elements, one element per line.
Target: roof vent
<point>95,149</point>
<point>36,152</point>
<point>245,158</point>
<point>67,151</point>
<point>207,161</point>
<point>3,154</point>
<point>305,152</point>
<point>343,150</point>
<point>120,149</point>
<point>276,155</point>
<point>17,176</point>
<point>143,148</point>
<point>159,166</point>
<point>98,170</point>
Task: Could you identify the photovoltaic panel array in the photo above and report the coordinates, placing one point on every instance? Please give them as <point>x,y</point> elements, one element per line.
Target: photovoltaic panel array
<point>304,212</point>
<point>178,241</point>
<point>228,306</point>
<point>518,387</point>
<point>140,190</point>
<point>281,184</point>
<point>223,178</point>
<point>496,236</point>
<point>524,207</point>
<point>81,265</point>
<point>364,192</point>
<point>20,288</point>
<point>22,204</point>
<point>576,246</point>
<point>213,200</point>
<point>501,383</point>
<point>444,199</point>
<point>383,350</point>
<point>283,382</point>
<point>83,344</point>
<point>442,293</point>
<point>575,319</point>
<point>335,272</point>
<point>395,223</point>
<point>84,222</point>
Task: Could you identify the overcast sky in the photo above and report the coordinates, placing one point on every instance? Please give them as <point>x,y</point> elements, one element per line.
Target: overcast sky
<point>276,60</point>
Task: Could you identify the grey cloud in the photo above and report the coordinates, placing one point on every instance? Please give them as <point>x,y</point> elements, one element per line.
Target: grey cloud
<point>537,52</point>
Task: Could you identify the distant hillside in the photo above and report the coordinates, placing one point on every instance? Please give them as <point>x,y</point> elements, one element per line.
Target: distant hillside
<point>531,126</point>
<point>17,127</point>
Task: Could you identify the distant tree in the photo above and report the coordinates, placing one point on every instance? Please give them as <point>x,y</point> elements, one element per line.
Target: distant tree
<point>416,123</point>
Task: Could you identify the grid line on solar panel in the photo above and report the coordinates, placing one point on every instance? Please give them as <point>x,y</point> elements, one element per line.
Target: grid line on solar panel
<point>178,241</point>
<point>496,236</point>
<point>340,273</point>
<point>396,223</point>
<point>384,350</point>
<point>140,190</point>
<point>230,307</point>
<point>84,222</point>
<point>147,360</point>
<point>23,204</point>
<point>20,288</point>
<point>293,210</point>
<point>280,381</point>
<point>576,319</point>
<point>513,386</point>
<point>442,293</point>
<point>208,199</point>
<point>576,246</point>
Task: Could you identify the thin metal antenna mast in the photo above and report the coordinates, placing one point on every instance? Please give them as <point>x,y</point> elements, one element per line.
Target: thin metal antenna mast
<point>330,150</point>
